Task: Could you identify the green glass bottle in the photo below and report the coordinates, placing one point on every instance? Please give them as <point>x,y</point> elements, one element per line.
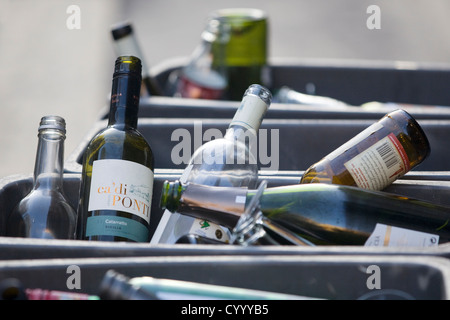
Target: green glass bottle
<point>321,213</point>
<point>245,51</point>
<point>117,175</point>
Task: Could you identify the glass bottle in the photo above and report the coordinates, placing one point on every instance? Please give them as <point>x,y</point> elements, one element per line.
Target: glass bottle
<point>288,95</point>
<point>117,176</point>
<point>320,213</point>
<point>376,157</point>
<point>204,76</point>
<point>245,30</point>
<point>116,286</point>
<point>228,161</point>
<point>232,55</point>
<point>125,43</point>
<point>45,212</point>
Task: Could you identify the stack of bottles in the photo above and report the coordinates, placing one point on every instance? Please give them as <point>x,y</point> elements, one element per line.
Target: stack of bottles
<point>338,200</point>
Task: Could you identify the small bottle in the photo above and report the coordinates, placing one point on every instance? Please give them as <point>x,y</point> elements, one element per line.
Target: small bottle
<point>45,212</point>
<point>204,76</point>
<point>229,161</point>
<point>324,214</point>
<point>126,44</point>
<point>116,286</point>
<point>117,173</point>
<point>376,157</point>
<point>288,95</point>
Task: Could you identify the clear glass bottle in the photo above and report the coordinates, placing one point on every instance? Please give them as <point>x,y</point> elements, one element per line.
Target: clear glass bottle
<point>117,176</point>
<point>231,56</point>
<point>324,214</point>
<point>46,212</point>
<point>376,157</point>
<point>229,161</point>
<point>204,77</point>
<point>288,95</point>
<point>126,44</point>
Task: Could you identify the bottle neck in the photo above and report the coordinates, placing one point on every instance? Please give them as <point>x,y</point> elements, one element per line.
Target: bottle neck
<point>192,200</point>
<point>124,105</point>
<point>48,169</point>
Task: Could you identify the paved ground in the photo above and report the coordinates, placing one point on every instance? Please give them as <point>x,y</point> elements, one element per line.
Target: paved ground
<point>48,68</point>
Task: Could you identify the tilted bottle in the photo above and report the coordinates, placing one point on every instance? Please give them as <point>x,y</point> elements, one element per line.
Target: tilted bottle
<point>117,176</point>
<point>46,212</point>
<point>116,286</point>
<point>126,44</point>
<point>227,161</point>
<point>321,213</point>
<point>376,157</point>
<point>288,95</point>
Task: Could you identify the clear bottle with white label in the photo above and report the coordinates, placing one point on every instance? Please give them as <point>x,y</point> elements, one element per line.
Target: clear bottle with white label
<point>376,157</point>
<point>117,175</point>
<point>228,161</point>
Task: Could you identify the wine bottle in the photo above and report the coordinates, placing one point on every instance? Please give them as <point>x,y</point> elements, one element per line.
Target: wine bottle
<point>228,161</point>
<point>117,176</point>
<point>321,213</point>
<point>116,286</point>
<point>376,157</point>
<point>125,43</point>
<point>204,75</point>
<point>245,51</point>
<point>45,212</point>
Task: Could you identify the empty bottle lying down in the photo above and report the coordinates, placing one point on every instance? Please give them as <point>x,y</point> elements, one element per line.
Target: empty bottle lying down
<point>324,214</point>
<point>116,286</point>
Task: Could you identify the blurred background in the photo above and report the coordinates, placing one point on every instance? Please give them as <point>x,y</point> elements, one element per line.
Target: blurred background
<point>48,68</point>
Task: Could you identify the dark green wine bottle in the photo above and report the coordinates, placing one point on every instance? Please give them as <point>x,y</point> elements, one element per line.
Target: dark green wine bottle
<point>117,176</point>
<point>245,53</point>
<point>320,213</point>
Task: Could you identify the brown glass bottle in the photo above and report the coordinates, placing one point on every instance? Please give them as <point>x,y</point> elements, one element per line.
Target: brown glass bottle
<point>376,157</point>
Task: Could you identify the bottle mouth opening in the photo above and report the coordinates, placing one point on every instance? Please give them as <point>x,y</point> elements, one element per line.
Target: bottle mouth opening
<point>239,15</point>
<point>53,122</point>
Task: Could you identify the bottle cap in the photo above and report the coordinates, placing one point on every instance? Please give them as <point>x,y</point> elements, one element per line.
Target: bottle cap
<point>121,30</point>
<point>53,122</point>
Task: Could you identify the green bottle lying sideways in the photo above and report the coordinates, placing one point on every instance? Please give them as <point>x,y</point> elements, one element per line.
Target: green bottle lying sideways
<point>320,213</point>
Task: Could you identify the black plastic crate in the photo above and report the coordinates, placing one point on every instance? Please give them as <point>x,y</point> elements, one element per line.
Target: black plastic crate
<point>289,144</point>
<point>431,187</point>
<point>326,277</point>
<point>354,82</point>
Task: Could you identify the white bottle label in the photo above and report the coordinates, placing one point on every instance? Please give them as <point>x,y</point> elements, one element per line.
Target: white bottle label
<point>121,185</point>
<point>388,236</point>
<point>379,165</point>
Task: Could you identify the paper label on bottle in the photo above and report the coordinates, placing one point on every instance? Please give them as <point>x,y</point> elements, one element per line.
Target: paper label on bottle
<point>210,230</point>
<point>116,226</point>
<point>388,236</point>
<point>379,165</point>
<point>250,113</point>
<point>121,185</point>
